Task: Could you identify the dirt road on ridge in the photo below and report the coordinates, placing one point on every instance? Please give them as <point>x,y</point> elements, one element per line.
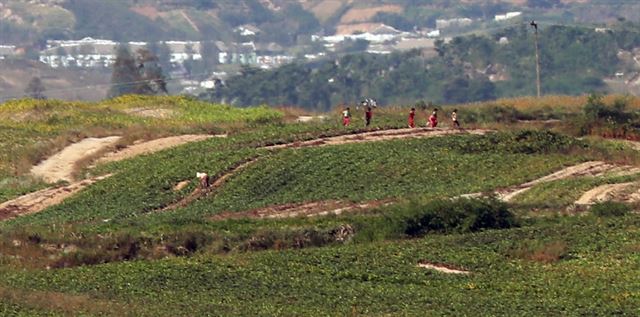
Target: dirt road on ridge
<point>61,165</point>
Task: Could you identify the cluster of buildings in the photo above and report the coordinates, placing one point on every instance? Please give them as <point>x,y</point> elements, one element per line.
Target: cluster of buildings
<point>7,51</point>
<point>382,39</point>
<point>89,52</point>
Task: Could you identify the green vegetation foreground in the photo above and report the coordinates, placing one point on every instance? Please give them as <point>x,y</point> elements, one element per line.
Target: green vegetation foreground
<point>112,250</point>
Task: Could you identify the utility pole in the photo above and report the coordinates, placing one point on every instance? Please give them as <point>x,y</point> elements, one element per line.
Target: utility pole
<point>535,26</point>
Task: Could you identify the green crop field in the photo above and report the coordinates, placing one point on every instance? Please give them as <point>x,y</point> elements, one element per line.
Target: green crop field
<point>114,249</point>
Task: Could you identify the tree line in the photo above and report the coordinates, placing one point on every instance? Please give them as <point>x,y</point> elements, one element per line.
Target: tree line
<point>466,69</point>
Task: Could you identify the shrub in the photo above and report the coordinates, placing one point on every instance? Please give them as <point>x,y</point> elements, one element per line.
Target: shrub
<point>442,216</point>
<point>610,209</point>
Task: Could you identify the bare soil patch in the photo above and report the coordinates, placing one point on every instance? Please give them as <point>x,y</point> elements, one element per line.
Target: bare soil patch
<point>592,168</point>
<point>61,165</point>
<point>147,11</point>
<point>383,135</point>
<point>443,268</point>
<point>604,193</point>
<point>38,201</point>
<point>326,9</point>
<point>310,209</point>
<point>147,147</point>
<point>366,14</point>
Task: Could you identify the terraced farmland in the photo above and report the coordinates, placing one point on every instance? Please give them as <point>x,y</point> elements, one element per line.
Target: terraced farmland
<point>317,219</point>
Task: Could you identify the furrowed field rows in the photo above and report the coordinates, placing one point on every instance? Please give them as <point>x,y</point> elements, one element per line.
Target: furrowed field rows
<point>31,130</point>
<point>359,172</point>
<point>384,278</point>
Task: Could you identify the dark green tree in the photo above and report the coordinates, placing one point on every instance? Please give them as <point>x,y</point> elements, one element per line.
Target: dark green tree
<point>151,73</point>
<point>35,89</point>
<point>126,77</point>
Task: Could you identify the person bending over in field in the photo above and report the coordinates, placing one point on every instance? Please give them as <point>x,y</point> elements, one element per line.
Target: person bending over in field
<point>204,180</point>
<point>346,117</point>
<point>433,118</point>
<point>367,116</point>
<point>412,118</point>
<point>454,119</point>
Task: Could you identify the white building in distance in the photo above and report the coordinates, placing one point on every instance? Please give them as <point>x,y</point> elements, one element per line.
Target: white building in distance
<point>89,52</point>
<point>507,16</point>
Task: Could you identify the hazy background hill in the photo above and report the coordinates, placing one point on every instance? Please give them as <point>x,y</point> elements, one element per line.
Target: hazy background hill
<point>266,34</point>
<point>145,20</point>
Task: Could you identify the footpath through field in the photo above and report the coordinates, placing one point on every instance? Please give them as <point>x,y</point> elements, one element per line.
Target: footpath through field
<point>38,201</point>
<point>373,136</point>
<point>335,207</point>
<point>61,165</point>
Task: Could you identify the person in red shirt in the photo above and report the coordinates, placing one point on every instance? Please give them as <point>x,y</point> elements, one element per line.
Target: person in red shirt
<point>412,118</point>
<point>367,116</point>
<point>433,118</point>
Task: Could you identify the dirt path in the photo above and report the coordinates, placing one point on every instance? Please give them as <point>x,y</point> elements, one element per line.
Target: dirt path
<point>592,168</point>
<point>37,201</point>
<point>382,135</point>
<point>441,268</point>
<point>374,136</point>
<point>152,146</point>
<point>199,192</point>
<point>311,209</point>
<point>61,165</point>
<point>603,193</point>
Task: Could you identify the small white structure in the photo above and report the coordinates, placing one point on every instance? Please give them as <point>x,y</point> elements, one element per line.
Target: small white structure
<point>434,33</point>
<point>446,23</point>
<point>247,30</point>
<point>6,51</point>
<point>377,35</point>
<point>507,16</point>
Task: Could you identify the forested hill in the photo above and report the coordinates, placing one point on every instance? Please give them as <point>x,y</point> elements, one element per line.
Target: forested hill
<point>470,68</point>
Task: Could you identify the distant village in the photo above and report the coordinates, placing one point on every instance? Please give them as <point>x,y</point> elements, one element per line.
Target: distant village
<point>380,38</point>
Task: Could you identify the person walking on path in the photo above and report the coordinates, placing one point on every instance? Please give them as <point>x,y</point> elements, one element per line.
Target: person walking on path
<point>367,116</point>
<point>412,118</point>
<point>346,117</point>
<point>433,118</point>
<point>454,119</point>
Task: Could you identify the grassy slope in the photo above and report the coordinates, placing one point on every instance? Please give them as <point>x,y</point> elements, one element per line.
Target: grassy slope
<point>31,130</point>
<point>433,167</point>
<point>359,278</point>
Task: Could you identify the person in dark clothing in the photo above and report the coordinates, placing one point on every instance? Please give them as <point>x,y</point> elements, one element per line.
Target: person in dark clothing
<point>367,116</point>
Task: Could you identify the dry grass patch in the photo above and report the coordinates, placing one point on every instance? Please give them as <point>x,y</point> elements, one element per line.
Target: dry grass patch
<point>66,304</point>
<point>546,253</point>
<point>366,14</point>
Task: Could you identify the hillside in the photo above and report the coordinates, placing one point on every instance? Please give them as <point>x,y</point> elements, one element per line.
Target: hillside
<point>145,20</point>
<point>199,41</point>
<point>75,84</point>
<point>316,218</point>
